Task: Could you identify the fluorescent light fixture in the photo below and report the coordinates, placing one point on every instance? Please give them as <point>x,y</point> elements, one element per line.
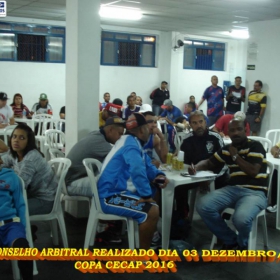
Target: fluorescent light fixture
<point>120,13</point>
<point>240,33</point>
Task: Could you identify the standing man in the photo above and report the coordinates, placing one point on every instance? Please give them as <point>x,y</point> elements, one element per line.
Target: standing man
<point>127,160</point>
<point>6,111</point>
<point>156,140</point>
<point>106,98</point>
<point>215,101</point>
<point>256,107</point>
<point>97,144</point>
<point>158,96</point>
<point>170,114</point>
<point>235,95</point>
<point>246,190</point>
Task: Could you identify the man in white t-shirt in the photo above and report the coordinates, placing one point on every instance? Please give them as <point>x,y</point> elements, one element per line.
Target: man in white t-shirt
<point>43,106</point>
<point>6,111</point>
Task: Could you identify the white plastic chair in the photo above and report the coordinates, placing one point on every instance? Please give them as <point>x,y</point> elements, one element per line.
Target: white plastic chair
<point>61,166</point>
<point>273,135</point>
<point>53,139</point>
<point>55,153</point>
<point>267,145</point>
<point>253,233</point>
<point>7,132</point>
<point>179,138</point>
<point>96,212</point>
<point>41,122</point>
<point>16,272</point>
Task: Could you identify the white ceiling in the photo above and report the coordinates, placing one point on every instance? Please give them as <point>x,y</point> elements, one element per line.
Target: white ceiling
<point>201,17</point>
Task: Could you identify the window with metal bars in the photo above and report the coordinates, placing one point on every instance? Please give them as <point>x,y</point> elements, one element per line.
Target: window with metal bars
<point>29,42</point>
<point>204,55</point>
<point>119,49</point>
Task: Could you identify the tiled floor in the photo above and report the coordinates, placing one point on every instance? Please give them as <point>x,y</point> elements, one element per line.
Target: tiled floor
<point>200,237</point>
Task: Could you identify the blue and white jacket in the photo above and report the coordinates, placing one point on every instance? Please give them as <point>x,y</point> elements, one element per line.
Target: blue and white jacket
<point>127,161</point>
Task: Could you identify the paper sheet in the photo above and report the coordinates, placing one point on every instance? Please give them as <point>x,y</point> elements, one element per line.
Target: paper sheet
<point>203,174</point>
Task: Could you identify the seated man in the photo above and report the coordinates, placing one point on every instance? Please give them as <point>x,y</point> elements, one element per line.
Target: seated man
<point>12,218</point>
<point>131,108</point>
<point>189,107</point>
<point>6,111</point>
<point>200,144</point>
<point>170,114</point>
<point>275,151</point>
<point>127,160</point>
<point>221,125</point>
<point>43,106</point>
<point>156,140</point>
<point>97,144</point>
<point>110,110</point>
<point>246,190</point>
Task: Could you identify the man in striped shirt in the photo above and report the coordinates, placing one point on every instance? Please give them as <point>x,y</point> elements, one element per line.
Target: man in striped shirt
<point>246,190</point>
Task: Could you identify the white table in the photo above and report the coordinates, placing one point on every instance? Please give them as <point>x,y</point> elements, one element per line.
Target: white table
<point>167,194</point>
<point>276,162</point>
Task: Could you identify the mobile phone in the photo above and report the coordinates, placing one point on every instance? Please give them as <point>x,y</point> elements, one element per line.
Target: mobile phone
<point>160,181</point>
<point>185,174</point>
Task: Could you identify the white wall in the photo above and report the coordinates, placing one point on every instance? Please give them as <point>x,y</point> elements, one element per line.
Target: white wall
<point>267,37</point>
<point>31,79</point>
<point>185,82</point>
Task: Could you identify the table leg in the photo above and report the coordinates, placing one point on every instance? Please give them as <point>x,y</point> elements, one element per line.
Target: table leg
<point>167,205</point>
<point>278,199</point>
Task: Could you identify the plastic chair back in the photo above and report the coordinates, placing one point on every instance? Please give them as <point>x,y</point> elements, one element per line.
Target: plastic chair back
<point>267,145</point>
<point>7,132</point>
<point>55,138</point>
<point>273,135</point>
<point>42,120</point>
<point>55,153</point>
<point>88,163</point>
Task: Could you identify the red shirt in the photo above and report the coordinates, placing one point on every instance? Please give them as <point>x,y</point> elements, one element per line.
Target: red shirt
<point>18,111</point>
<point>223,121</point>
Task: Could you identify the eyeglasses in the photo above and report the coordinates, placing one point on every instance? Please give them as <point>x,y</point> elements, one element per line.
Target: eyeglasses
<point>151,121</point>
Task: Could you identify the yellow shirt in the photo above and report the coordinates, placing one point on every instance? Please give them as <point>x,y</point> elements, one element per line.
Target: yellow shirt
<point>101,121</point>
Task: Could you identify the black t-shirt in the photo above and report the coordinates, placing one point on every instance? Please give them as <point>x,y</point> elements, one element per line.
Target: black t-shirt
<point>159,96</point>
<point>234,102</point>
<point>200,148</point>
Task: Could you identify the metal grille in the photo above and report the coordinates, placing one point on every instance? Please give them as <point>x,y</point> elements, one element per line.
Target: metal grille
<point>31,48</point>
<point>203,59</point>
<point>129,54</point>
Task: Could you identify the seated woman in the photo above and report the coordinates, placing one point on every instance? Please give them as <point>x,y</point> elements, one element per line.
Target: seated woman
<point>20,110</point>
<point>28,163</point>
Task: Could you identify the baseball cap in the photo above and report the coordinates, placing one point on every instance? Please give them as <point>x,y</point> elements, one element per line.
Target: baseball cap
<point>166,103</point>
<point>43,96</point>
<point>115,120</point>
<point>164,82</point>
<point>3,96</point>
<point>135,120</point>
<point>113,109</point>
<point>240,116</point>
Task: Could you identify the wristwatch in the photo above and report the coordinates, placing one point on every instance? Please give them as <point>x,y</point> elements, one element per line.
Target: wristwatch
<point>234,157</point>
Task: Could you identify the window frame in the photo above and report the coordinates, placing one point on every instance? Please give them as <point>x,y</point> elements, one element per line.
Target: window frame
<point>48,34</point>
<point>115,40</point>
<point>217,46</point>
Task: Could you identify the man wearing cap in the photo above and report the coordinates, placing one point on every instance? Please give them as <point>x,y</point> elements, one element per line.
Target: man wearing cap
<point>6,111</point>
<point>170,114</point>
<point>43,106</point>
<point>126,162</point>
<point>158,96</point>
<point>110,110</point>
<point>221,126</point>
<point>97,144</point>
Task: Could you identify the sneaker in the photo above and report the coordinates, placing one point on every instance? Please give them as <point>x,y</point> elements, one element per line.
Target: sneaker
<point>272,209</point>
<point>156,241</point>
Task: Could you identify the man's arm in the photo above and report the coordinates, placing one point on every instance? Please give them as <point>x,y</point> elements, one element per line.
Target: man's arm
<point>3,147</point>
<point>243,92</point>
<point>275,151</point>
<point>229,94</point>
<point>202,165</point>
<point>160,145</point>
<point>251,169</point>
<point>200,102</point>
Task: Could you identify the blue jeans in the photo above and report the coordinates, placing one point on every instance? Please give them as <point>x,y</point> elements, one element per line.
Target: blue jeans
<point>156,109</point>
<point>247,204</point>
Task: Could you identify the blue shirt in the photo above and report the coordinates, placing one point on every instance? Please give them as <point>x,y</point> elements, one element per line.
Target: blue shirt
<point>215,101</point>
<point>173,114</point>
